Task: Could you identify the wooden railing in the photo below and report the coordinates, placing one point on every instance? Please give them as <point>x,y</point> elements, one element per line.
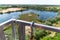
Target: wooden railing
<point>21,29</point>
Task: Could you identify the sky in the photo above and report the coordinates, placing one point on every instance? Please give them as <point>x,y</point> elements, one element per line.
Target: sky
<point>39,2</point>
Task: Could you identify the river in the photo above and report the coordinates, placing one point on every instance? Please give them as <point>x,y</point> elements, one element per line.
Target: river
<point>43,15</point>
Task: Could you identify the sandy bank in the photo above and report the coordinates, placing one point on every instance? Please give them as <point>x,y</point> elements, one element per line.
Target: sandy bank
<point>12,10</point>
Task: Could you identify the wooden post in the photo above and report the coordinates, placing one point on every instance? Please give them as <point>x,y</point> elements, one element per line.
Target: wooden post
<point>2,36</point>
<point>21,31</point>
<point>13,30</point>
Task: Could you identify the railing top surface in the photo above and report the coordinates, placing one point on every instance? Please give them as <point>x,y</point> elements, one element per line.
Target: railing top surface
<point>8,21</point>
<point>57,29</point>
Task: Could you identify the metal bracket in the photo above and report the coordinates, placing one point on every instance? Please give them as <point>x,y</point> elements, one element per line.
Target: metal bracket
<point>32,23</point>
<point>31,37</point>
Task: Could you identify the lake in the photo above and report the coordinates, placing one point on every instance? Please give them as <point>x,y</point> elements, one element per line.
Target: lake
<point>43,15</point>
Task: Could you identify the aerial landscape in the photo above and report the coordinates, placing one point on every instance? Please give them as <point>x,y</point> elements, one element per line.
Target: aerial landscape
<point>41,14</point>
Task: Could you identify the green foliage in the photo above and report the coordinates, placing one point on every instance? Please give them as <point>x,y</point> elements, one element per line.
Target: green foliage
<point>52,20</point>
<point>46,38</point>
<point>29,17</point>
<point>42,7</point>
<point>56,37</point>
<point>40,33</point>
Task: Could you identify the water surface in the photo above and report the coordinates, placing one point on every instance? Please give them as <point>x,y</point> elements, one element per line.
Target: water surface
<point>43,15</point>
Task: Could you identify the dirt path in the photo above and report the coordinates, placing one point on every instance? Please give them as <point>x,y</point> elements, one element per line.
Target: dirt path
<point>52,34</point>
<point>27,30</point>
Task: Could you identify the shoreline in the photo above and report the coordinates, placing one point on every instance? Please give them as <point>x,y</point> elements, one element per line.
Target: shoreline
<point>8,10</point>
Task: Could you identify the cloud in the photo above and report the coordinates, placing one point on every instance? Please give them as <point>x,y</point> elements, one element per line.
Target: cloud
<point>40,2</point>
